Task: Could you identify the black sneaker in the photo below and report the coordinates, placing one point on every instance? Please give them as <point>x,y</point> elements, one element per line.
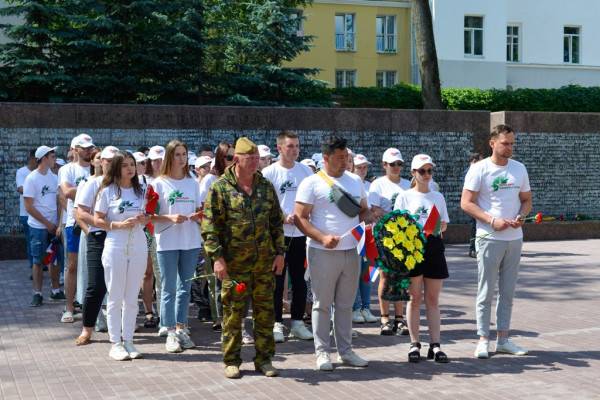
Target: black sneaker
<point>401,328</point>
<point>60,295</point>
<point>37,301</point>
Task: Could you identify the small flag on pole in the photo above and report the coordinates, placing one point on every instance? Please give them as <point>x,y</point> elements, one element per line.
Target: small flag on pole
<point>374,273</point>
<point>359,234</point>
<point>433,225</point>
<point>371,247</point>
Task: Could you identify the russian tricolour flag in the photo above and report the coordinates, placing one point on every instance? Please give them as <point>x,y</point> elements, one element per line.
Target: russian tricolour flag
<point>359,234</point>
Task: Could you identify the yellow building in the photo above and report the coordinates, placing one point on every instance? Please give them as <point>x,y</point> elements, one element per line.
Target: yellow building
<point>358,42</point>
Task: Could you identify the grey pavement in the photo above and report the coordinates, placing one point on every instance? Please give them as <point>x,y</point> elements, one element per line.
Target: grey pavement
<point>556,315</point>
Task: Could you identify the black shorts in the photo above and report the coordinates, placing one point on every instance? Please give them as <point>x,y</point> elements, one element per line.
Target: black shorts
<point>434,265</point>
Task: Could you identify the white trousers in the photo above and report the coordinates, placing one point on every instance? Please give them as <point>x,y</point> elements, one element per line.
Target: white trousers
<point>334,280</point>
<point>124,269</point>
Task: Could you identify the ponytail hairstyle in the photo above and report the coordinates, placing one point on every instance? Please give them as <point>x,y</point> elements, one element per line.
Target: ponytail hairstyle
<point>167,165</point>
<point>113,176</point>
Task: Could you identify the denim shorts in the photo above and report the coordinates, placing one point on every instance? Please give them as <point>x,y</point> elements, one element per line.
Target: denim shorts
<point>72,239</point>
<point>40,238</point>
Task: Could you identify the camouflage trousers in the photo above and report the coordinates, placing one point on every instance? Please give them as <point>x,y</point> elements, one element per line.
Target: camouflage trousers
<point>260,286</point>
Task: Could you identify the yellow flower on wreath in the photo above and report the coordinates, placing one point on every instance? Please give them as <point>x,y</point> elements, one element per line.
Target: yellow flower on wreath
<point>402,222</point>
<point>418,244</point>
<point>398,255</point>
<point>399,237</point>
<point>408,245</point>
<point>411,232</point>
<point>410,263</point>
<point>418,256</point>
<point>391,227</point>
<point>388,242</point>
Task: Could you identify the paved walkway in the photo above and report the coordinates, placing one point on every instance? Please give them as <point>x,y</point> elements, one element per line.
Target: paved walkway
<point>556,315</point>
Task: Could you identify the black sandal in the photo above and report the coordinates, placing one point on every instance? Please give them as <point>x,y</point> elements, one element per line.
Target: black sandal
<point>414,353</point>
<point>387,328</point>
<point>150,321</point>
<point>438,356</point>
<point>400,326</point>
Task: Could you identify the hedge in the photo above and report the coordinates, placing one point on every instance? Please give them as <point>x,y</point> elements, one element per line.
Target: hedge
<point>565,99</point>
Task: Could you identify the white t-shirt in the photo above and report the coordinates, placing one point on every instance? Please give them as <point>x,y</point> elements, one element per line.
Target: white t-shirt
<point>177,196</point>
<point>205,186</point>
<point>43,189</point>
<point>325,214</point>
<point>383,192</point>
<point>421,204</point>
<point>20,179</point>
<point>286,182</point>
<point>499,188</point>
<point>119,209</point>
<point>86,196</point>
<point>73,174</point>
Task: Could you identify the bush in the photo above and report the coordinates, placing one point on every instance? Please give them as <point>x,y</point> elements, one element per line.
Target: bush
<point>565,99</point>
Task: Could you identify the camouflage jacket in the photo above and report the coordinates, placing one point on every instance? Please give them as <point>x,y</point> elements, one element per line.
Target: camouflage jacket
<point>240,228</point>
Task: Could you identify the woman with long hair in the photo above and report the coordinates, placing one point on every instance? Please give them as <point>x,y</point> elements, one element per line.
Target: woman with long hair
<point>120,211</point>
<point>427,278</point>
<point>178,242</point>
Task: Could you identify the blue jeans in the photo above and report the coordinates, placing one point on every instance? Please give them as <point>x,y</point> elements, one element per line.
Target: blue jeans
<point>25,225</point>
<point>176,268</point>
<point>363,293</point>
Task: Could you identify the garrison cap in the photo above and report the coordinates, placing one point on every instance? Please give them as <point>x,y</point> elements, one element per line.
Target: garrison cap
<point>245,146</point>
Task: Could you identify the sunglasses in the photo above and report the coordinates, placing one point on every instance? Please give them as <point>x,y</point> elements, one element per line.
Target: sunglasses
<point>423,171</point>
<point>229,157</point>
<point>396,164</point>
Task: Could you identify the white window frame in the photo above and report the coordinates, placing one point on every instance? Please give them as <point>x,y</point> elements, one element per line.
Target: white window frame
<point>472,32</point>
<point>571,36</point>
<point>385,37</point>
<point>385,81</point>
<point>345,74</point>
<point>510,42</point>
<point>344,35</point>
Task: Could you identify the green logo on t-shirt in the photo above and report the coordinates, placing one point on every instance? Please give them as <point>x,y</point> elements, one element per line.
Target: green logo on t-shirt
<point>284,186</point>
<point>422,211</point>
<point>175,194</point>
<point>124,205</point>
<point>45,190</point>
<point>499,182</point>
<point>78,180</point>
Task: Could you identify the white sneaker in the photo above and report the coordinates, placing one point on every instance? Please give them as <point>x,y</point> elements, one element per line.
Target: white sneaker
<point>483,349</point>
<point>357,317</point>
<point>67,317</point>
<point>131,350</point>
<point>370,318</point>
<point>278,334</point>
<point>118,352</point>
<point>163,331</point>
<point>247,338</point>
<point>300,331</point>
<point>352,359</point>
<point>324,362</point>
<point>172,344</point>
<point>510,347</point>
<point>184,339</point>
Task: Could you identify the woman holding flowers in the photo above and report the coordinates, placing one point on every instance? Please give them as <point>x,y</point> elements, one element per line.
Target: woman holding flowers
<point>119,211</point>
<point>428,275</point>
<point>178,242</point>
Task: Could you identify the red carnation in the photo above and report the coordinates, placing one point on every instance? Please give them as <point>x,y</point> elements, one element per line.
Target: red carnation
<point>538,218</point>
<point>240,288</point>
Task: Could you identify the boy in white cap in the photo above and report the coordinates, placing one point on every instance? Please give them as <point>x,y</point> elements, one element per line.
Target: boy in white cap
<point>266,157</point>
<point>69,178</point>
<point>40,195</point>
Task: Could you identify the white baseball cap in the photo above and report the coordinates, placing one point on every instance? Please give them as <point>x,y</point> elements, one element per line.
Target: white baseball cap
<point>264,151</point>
<point>42,151</point>
<point>419,160</point>
<point>108,153</point>
<point>84,140</point>
<point>316,157</point>
<point>391,155</point>
<point>309,163</point>
<point>202,161</point>
<point>60,162</point>
<point>139,156</point>
<point>156,152</point>
<point>360,159</point>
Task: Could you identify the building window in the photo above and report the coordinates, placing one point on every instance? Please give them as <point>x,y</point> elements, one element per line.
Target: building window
<point>344,32</point>
<point>345,78</point>
<point>473,36</point>
<point>571,45</point>
<point>386,33</point>
<point>512,43</point>
<point>296,17</point>
<point>385,78</point>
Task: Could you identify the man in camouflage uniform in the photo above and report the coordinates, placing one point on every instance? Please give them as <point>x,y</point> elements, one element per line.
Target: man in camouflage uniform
<point>243,235</point>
